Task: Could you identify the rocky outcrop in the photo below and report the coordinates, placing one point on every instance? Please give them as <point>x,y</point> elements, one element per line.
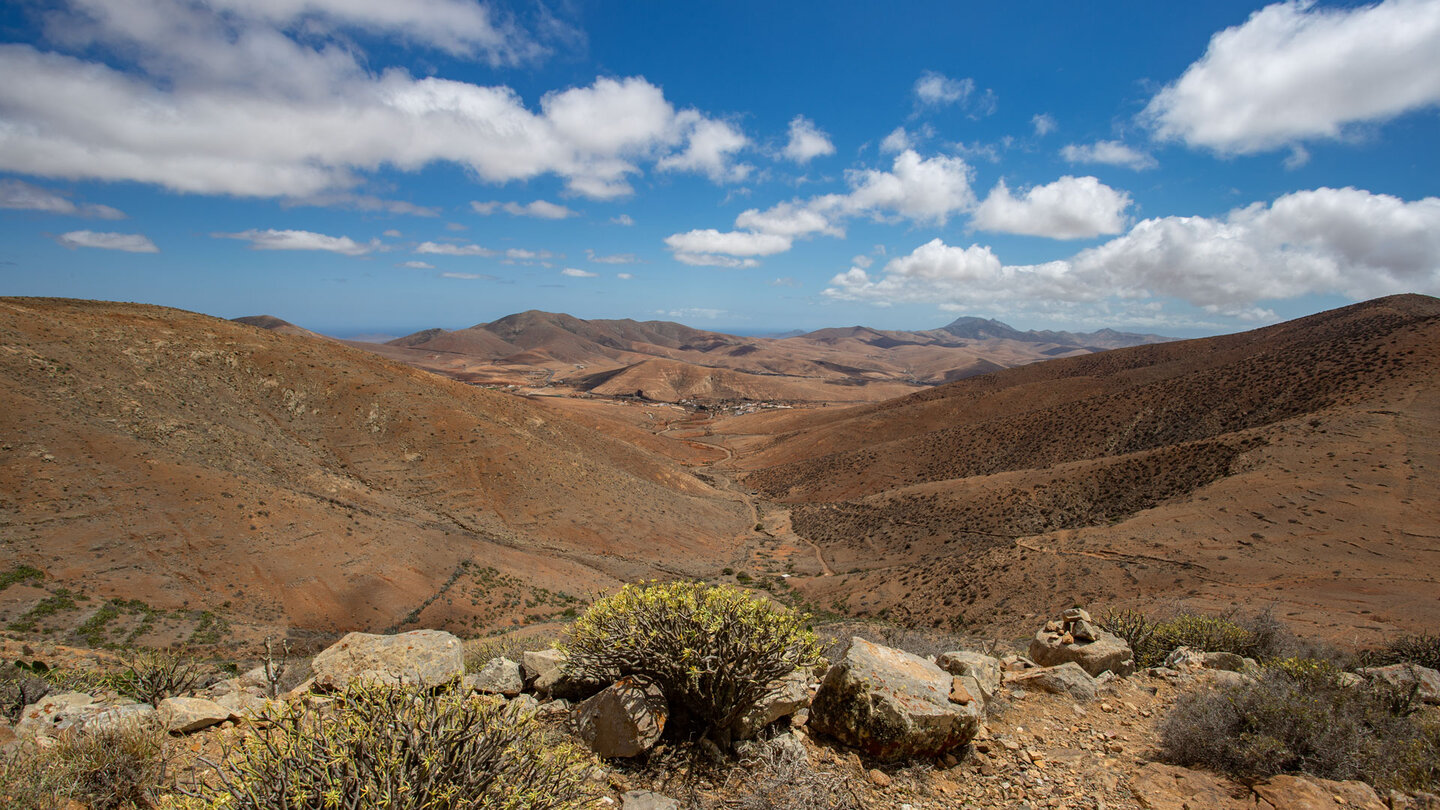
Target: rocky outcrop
<point>623,720</point>
<point>1425,681</point>
<point>891,704</point>
<point>418,658</point>
<point>1075,638</point>
<point>1066,679</point>
<point>545,673</point>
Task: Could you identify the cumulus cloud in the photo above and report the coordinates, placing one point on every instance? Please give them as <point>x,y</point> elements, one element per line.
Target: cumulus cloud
<point>275,99</point>
<point>417,265</point>
<point>1112,153</point>
<point>713,260</point>
<point>625,276</point>
<point>128,242</point>
<point>271,239</point>
<point>926,190</point>
<point>710,150</point>
<point>623,219</point>
<point>705,313</point>
<point>898,140</point>
<point>469,276</point>
<point>575,272</point>
<point>448,249</point>
<point>730,243</point>
<point>540,209</point>
<point>1069,208</point>
<point>936,89</point>
<point>1295,72</point>
<point>1044,124</point>
<point>807,141</point>
<point>1326,241</point>
<point>18,195</point>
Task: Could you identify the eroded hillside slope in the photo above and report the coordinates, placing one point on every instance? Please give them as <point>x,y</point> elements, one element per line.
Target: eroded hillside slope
<point>1297,463</point>
<point>156,454</point>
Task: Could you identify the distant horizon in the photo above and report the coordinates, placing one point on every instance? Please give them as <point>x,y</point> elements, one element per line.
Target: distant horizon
<point>346,167</point>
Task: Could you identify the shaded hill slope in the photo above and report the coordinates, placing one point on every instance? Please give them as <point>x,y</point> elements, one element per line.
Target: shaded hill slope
<point>188,461</point>
<point>1299,463</point>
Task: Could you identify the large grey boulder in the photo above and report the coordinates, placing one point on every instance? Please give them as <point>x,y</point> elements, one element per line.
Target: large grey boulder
<point>418,658</point>
<point>501,676</point>
<point>786,696</point>
<point>892,705</point>
<point>623,720</point>
<point>982,669</point>
<point>184,715</point>
<point>1054,645</point>
<point>1425,681</point>
<point>1066,679</point>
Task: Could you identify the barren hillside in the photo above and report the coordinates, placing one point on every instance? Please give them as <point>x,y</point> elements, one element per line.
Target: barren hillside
<point>1296,463</point>
<point>191,462</point>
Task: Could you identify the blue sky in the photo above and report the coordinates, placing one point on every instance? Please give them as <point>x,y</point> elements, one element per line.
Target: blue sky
<point>363,166</point>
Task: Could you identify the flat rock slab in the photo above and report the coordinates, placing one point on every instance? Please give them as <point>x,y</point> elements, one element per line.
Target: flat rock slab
<point>501,676</point>
<point>647,800</point>
<point>1157,786</point>
<point>1310,793</point>
<point>185,715</point>
<point>891,705</point>
<point>423,658</point>
<point>1066,679</point>
<point>55,713</point>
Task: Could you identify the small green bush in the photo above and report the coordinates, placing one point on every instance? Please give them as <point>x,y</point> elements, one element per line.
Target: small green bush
<point>1300,716</point>
<point>120,767</point>
<point>153,675</point>
<point>712,651</point>
<point>1259,636</point>
<point>402,749</point>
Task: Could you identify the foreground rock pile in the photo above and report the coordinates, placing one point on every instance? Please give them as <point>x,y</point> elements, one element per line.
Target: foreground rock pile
<point>1071,725</point>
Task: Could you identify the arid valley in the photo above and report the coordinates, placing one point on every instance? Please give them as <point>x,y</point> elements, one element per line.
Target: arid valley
<point>269,482</point>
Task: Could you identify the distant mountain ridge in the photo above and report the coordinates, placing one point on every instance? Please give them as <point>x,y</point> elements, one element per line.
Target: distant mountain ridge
<point>835,364</point>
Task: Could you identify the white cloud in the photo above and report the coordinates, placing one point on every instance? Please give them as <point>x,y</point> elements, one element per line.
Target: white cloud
<point>807,141</point>
<point>1326,241</point>
<point>18,195</point>
<point>447,249</point>
<point>417,265</point>
<point>922,189</point>
<point>709,150</point>
<point>271,239</point>
<point>623,219</point>
<point>128,242</point>
<point>540,209</point>
<point>784,281</point>
<point>522,254</point>
<point>625,276</point>
<point>926,190</point>
<point>862,261</point>
<point>393,234</point>
<point>1044,124</point>
<point>455,226</point>
<point>788,219</point>
<point>897,141</point>
<point>469,276</point>
<point>615,258</point>
<point>935,89</point>
<point>731,243</point>
<point>1112,153</point>
<point>1295,72</point>
<point>275,99</point>
<point>1069,208</point>
<point>575,272</point>
<point>458,27</point>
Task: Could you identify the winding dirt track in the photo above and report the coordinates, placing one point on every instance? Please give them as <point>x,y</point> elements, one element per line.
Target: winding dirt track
<point>723,481</point>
